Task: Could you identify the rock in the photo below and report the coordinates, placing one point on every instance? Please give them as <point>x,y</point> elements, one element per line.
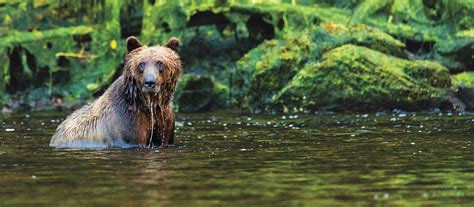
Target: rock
<point>200,93</point>
<point>463,86</point>
<point>357,78</point>
<point>416,20</point>
<point>330,35</point>
<point>456,53</point>
<point>265,70</point>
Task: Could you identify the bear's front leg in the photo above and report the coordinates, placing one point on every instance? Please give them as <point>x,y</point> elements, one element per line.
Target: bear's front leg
<point>169,135</point>
<point>164,129</point>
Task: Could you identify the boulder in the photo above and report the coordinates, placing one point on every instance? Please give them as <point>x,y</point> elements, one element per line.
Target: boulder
<point>456,53</point>
<point>463,87</point>
<point>352,77</point>
<point>268,68</point>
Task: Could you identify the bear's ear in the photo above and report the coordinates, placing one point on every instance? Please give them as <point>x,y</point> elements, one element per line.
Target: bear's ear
<point>133,43</point>
<point>173,44</point>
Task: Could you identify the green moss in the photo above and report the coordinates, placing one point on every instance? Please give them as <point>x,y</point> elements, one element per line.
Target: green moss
<point>4,76</point>
<point>466,33</point>
<point>330,35</point>
<point>353,77</point>
<point>455,53</point>
<point>39,52</point>
<point>294,17</point>
<point>417,19</point>
<point>30,15</point>
<point>465,79</point>
<point>265,70</point>
<point>17,37</point>
<point>63,61</point>
<point>369,8</point>
<point>161,21</point>
<point>463,86</point>
<point>107,46</point>
<point>77,61</point>
<point>207,52</point>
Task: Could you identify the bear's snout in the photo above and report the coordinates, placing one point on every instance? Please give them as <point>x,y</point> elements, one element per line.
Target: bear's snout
<point>150,81</point>
<point>150,84</point>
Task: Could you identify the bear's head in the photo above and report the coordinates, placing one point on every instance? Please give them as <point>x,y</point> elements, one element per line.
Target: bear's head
<point>152,71</point>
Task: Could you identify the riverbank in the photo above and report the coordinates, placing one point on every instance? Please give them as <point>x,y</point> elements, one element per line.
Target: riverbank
<point>260,58</point>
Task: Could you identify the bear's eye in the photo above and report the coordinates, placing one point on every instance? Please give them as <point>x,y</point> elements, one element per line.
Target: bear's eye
<point>160,66</point>
<point>141,67</point>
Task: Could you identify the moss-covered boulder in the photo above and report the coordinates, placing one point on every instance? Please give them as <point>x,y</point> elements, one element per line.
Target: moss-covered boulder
<point>456,53</point>
<point>357,78</point>
<point>200,93</point>
<point>417,20</point>
<point>265,70</point>
<point>330,35</point>
<point>463,86</point>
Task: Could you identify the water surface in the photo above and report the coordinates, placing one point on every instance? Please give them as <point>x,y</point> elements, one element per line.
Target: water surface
<point>230,159</point>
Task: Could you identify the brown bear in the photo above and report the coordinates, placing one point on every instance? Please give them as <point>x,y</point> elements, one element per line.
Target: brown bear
<point>136,110</point>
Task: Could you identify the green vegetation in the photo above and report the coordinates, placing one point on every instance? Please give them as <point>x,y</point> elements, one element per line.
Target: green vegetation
<point>265,70</point>
<point>353,77</point>
<point>463,86</point>
<point>331,55</point>
<point>71,61</point>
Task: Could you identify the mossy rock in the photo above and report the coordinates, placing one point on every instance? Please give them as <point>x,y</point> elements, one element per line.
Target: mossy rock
<point>463,86</point>
<point>357,78</point>
<point>417,20</point>
<point>330,35</point>
<point>265,70</point>
<point>200,93</point>
<point>456,53</point>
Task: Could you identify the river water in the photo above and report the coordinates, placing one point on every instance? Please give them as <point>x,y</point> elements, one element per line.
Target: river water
<point>229,159</point>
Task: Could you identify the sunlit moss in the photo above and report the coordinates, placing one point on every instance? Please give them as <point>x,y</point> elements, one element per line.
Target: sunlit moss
<point>465,79</point>
<point>463,86</point>
<point>265,70</point>
<point>416,19</point>
<point>455,53</point>
<point>332,34</point>
<point>353,77</point>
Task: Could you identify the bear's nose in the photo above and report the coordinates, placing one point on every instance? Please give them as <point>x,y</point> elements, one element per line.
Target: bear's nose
<point>150,82</point>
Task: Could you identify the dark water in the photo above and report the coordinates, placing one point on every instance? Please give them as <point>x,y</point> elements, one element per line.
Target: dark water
<point>234,160</point>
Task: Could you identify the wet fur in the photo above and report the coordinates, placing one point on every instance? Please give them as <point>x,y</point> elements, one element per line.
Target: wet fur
<point>122,115</point>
